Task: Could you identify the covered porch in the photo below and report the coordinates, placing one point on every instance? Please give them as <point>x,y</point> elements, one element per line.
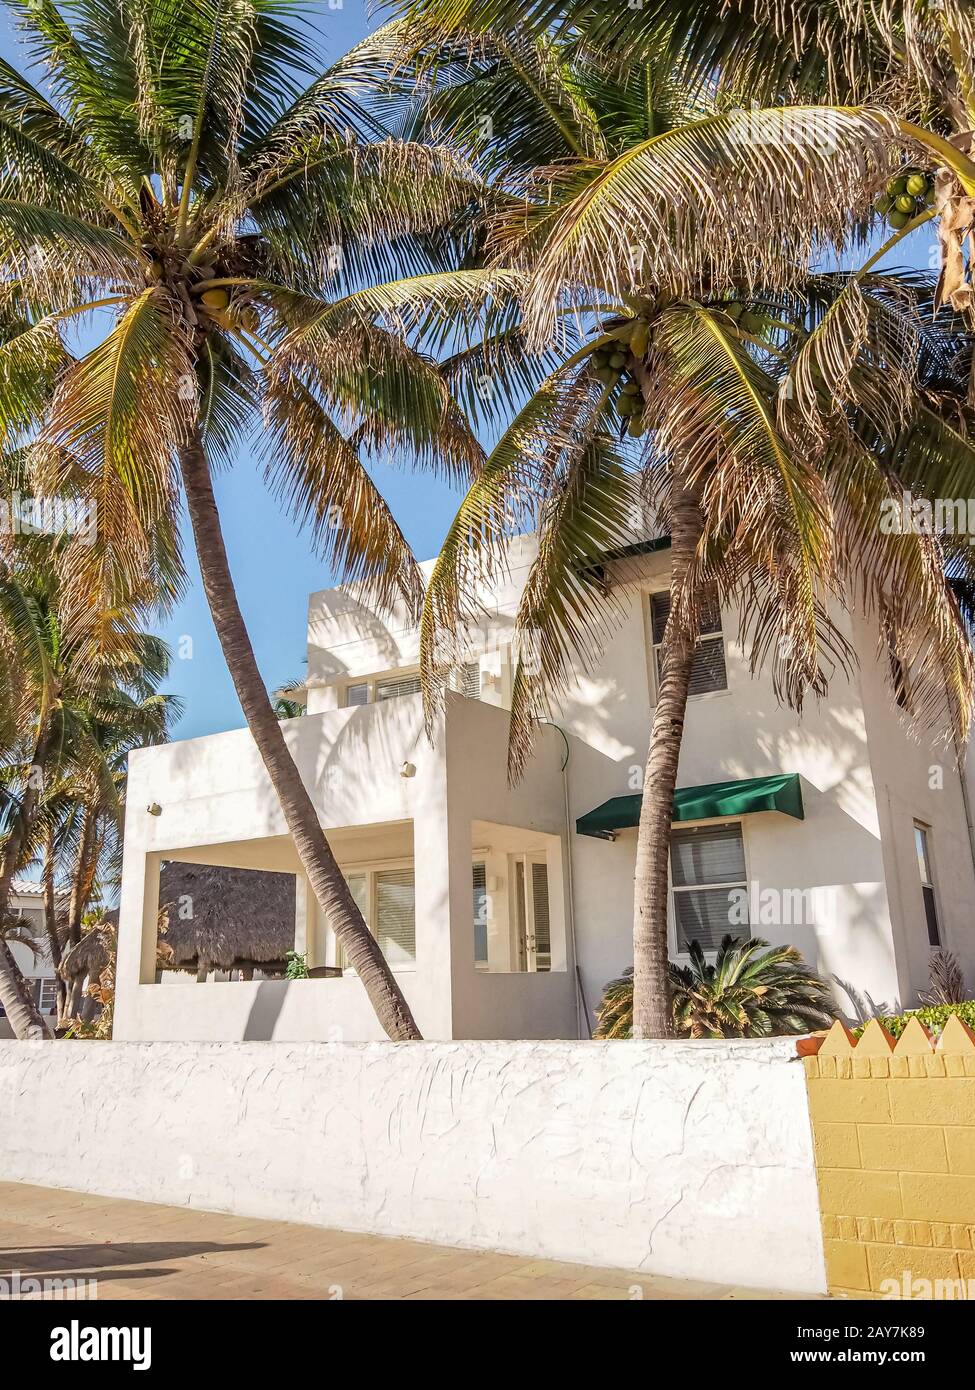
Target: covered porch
<point>469,909</point>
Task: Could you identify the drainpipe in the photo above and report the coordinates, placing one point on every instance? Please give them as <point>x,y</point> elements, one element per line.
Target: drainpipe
<point>582,1013</point>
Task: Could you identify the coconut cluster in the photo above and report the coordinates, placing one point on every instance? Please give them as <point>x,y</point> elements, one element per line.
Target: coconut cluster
<point>614,363</point>
<point>906,197</point>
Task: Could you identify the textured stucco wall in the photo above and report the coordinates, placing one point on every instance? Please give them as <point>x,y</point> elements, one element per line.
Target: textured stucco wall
<point>688,1159</point>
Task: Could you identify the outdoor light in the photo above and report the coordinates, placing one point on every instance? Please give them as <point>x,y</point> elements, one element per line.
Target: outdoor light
<point>408,770</point>
<point>154,808</point>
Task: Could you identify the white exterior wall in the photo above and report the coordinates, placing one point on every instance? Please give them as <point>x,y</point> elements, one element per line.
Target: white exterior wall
<point>685,1159</point>
<point>737,733</point>
<point>917,779</point>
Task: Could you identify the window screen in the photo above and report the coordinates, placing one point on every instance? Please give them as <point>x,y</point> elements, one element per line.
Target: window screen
<point>395,917</point>
<point>709,671</point>
<point>403,685</point>
<point>357,694</point>
<point>708,878</point>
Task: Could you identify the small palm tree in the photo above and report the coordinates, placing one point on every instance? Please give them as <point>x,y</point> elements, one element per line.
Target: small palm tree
<point>194,174</point>
<point>749,990</point>
<point>81,690</point>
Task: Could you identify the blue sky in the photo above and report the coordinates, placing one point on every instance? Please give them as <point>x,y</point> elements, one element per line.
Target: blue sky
<point>272,562</point>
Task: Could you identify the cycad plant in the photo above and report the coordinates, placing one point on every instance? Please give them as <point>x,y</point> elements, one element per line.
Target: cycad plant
<point>192,173</point>
<point>749,990</point>
<point>718,394</point>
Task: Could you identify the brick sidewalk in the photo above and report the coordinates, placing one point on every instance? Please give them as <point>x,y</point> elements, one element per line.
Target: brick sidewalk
<point>139,1250</point>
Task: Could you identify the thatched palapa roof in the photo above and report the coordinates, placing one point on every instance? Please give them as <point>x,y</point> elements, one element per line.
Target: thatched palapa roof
<point>225,919</point>
<point>90,955</point>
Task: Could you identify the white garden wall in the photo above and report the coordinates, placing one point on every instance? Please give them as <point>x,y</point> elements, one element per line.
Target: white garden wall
<point>686,1159</point>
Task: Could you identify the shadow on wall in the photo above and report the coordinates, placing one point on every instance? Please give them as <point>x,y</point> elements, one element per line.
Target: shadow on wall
<point>265,1010</point>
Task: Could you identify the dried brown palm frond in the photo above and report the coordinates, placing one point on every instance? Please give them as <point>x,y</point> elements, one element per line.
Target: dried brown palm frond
<point>946,980</point>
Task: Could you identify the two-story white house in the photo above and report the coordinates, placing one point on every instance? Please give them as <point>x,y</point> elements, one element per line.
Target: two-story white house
<point>27,905</point>
<point>505,910</point>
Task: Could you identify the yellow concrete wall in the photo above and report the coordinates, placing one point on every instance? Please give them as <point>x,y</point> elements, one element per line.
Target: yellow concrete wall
<point>894,1131</point>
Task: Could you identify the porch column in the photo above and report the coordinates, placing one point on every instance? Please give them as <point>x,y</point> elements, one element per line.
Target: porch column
<point>434,870</point>
<point>308,936</point>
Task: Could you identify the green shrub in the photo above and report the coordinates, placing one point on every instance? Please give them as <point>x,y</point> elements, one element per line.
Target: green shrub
<point>741,994</point>
<point>933,1016</point>
<point>297,968</point>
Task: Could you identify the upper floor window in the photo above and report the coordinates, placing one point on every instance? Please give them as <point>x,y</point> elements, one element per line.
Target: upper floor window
<point>466,679</point>
<point>388,688</point>
<point>709,671</point>
<point>927,883</point>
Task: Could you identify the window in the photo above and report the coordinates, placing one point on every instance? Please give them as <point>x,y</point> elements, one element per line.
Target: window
<point>402,685</point>
<point>710,891</point>
<point>927,883</point>
<point>386,899</point>
<point>395,918</point>
<point>709,671</point>
<point>469,680</point>
<point>45,994</point>
<point>367,692</point>
<point>480,916</point>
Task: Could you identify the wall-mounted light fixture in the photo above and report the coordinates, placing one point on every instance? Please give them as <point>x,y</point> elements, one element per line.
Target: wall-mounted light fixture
<point>408,770</point>
<point>154,808</point>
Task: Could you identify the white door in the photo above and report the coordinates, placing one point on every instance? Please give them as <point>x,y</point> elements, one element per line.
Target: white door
<point>533,937</point>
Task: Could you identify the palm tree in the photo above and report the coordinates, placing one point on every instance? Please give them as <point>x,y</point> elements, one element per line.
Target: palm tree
<point>726,380</point>
<point>79,688</point>
<point>261,258</point>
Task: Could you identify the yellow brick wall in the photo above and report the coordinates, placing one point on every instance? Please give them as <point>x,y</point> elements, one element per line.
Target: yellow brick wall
<point>894,1133</point>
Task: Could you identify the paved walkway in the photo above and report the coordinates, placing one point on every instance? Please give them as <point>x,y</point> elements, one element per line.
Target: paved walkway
<point>139,1250</point>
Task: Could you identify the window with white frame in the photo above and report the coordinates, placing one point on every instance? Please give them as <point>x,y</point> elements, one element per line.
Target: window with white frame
<point>709,672</point>
<point>386,898</point>
<point>388,688</point>
<point>921,845</point>
<point>708,885</point>
<point>45,992</point>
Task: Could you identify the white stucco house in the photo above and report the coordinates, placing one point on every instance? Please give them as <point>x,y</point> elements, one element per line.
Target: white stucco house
<point>505,910</point>
<point>27,904</point>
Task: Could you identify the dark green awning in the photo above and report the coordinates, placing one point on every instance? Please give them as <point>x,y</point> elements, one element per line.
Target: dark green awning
<point>713,799</point>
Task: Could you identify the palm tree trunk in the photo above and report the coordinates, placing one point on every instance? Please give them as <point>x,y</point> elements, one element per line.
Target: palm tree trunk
<point>82,876</point>
<point>25,1017</point>
<point>318,862</point>
<point>651,986</point>
<point>51,924</point>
